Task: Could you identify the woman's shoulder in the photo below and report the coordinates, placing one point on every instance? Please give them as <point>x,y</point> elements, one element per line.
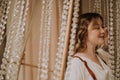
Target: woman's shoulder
<point>76,62</point>
<point>75,70</point>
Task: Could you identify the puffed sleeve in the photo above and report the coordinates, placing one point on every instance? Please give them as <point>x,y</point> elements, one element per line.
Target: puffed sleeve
<point>75,70</point>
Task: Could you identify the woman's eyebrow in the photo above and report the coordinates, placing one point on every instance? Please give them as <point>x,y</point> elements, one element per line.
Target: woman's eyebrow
<point>95,23</point>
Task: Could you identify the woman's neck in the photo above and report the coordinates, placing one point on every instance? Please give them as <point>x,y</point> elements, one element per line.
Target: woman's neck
<point>90,50</point>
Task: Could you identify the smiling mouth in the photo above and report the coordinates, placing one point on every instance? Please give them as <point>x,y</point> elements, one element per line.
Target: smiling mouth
<point>101,36</point>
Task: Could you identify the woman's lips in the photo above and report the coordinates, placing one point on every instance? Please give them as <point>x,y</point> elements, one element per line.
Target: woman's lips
<point>102,36</point>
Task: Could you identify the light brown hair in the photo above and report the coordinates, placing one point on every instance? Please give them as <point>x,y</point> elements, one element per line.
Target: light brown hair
<point>82,30</point>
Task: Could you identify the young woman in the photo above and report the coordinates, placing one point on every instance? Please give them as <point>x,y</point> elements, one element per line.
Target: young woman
<point>86,64</point>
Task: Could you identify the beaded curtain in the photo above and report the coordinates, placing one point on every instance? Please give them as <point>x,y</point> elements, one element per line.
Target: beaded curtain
<point>40,52</point>
<point>70,7</point>
<point>15,39</point>
<point>15,11</point>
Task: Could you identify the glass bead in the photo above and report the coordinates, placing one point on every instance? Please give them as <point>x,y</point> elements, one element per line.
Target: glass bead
<point>1,77</point>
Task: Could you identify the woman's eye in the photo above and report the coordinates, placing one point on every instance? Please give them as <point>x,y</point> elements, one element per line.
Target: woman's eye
<point>97,27</point>
<point>103,27</point>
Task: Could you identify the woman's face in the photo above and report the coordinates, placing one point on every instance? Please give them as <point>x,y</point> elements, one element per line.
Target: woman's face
<point>96,32</point>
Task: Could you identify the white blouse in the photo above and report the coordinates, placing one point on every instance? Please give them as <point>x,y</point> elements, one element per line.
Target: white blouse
<point>78,71</point>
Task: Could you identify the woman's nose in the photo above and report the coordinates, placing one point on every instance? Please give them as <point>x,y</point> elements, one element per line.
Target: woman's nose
<point>102,30</point>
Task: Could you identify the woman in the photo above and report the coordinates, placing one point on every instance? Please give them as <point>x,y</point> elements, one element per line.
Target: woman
<point>86,64</point>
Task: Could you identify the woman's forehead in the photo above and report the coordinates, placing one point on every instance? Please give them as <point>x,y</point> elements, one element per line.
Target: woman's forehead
<point>96,21</point>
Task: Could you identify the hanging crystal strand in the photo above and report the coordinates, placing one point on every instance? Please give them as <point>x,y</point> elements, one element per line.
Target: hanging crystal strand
<point>90,6</point>
<point>59,54</point>
<point>3,18</point>
<point>104,12</point>
<point>2,5</point>
<point>59,2</point>
<point>97,6</point>
<point>2,26</point>
<point>24,17</point>
<point>111,39</point>
<point>107,16</point>
<point>44,64</point>
<point>43,61</point>
<point>5,58</point>
<point>14,44</point>
<point>41,38</point>
<point>17,46</point>
<point>100,1</point>
<point>75,21</point>
<point>117,74</point>
<point>50,6</point>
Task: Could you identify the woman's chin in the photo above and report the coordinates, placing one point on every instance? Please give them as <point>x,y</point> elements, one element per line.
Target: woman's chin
<point>101,43</point>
